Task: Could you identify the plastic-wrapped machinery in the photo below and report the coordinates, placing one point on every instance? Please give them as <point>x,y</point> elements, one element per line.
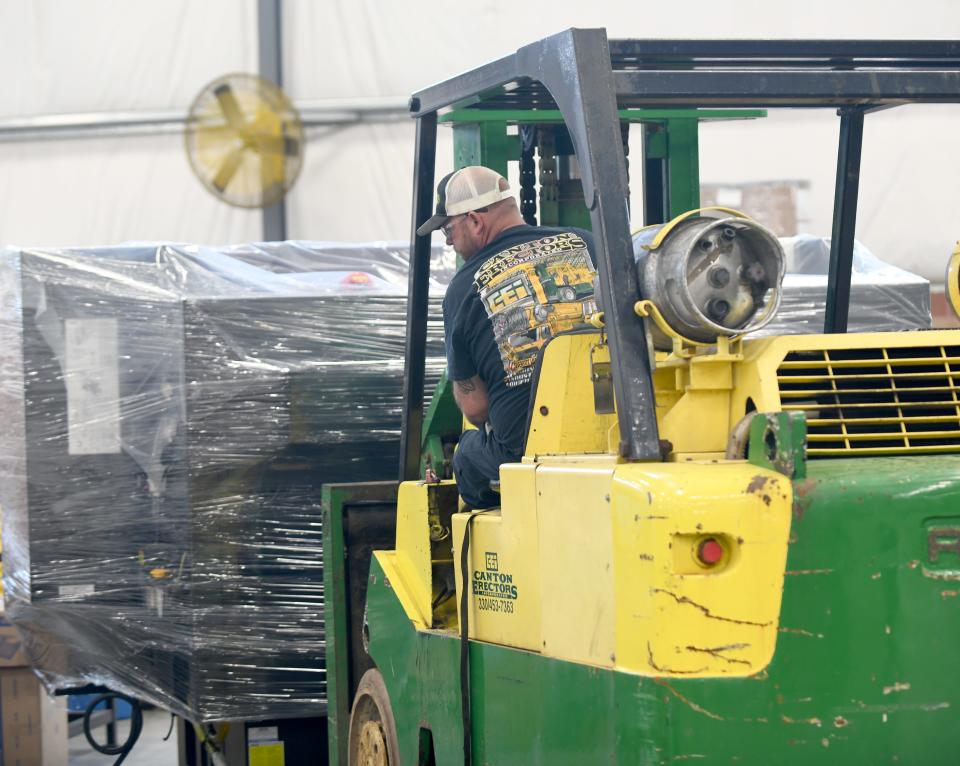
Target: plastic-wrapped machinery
<point>883,298</point>
<point>169,416</point>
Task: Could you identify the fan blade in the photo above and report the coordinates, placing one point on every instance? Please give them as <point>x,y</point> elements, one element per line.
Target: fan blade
<point>285,145</point>
<point>291,146</point>
<point>228,169</point>
<point>230,106</point>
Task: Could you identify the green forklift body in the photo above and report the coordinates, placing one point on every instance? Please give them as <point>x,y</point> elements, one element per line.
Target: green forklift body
<point>865,669</point>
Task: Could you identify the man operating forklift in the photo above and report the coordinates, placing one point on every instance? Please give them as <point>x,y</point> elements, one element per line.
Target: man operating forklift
<point>518,286</point>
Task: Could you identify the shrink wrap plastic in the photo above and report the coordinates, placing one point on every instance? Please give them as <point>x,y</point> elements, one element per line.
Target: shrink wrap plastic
<point>169,415</point>
<point>883,298</point>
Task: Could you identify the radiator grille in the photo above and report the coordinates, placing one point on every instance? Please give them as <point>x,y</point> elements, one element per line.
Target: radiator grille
<point>875,401</point>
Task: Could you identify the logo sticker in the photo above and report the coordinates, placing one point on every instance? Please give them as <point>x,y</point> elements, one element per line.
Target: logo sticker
<point>494,590</point>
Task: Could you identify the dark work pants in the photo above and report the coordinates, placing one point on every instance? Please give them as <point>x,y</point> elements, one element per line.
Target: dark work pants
<point>476,463</point>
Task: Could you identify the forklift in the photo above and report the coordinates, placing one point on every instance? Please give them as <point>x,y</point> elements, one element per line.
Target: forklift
<point>715,548</point>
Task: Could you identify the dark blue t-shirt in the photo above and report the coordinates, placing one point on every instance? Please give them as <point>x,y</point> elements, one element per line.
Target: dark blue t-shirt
<point>502,305</point>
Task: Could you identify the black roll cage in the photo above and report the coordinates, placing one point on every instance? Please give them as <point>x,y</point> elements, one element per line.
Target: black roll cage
<point>589,78</point>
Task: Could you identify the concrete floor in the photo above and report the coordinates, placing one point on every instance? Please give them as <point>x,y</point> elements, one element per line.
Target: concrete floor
<point>150,749</point>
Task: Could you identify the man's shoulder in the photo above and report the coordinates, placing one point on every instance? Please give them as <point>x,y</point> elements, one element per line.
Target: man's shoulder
<point>460,284</point>
<point>522,235</point>
<point>538,232</point>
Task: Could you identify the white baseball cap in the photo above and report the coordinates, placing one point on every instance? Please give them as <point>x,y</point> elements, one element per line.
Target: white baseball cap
<point>461,191</point>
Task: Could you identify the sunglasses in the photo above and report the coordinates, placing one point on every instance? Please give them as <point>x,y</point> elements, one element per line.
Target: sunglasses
<point>447,228</point>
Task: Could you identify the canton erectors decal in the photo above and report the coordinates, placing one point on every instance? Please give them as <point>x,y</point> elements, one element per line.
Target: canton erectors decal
<point>494,590</point>
<point>532,292</point>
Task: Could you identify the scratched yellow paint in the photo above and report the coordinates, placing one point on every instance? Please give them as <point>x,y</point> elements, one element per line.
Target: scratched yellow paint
<point>675,617</point>
<point>615,582</point>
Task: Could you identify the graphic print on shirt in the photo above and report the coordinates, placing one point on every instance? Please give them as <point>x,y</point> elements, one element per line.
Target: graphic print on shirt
<point>533,291</point>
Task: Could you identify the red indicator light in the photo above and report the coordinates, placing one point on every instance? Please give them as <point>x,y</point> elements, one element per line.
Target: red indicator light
<point>710,552</point>
<point>357,278</point>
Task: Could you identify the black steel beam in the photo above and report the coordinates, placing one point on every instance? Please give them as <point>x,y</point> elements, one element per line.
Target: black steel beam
<point>575,67</point>
<point>418,290</point>
<point>737,88</point>
<point>466,86</point>
<point>736,73</point>
<point>844,220</point>
<point>801,87</point>
<point>873,53</point>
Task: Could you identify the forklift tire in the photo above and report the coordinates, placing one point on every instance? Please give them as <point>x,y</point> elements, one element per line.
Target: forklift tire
<point>373,731</point>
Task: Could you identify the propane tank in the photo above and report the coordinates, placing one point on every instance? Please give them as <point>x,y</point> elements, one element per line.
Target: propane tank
<point>711,272</point>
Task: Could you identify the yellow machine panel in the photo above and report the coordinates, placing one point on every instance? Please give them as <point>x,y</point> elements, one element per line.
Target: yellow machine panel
<point>576,570</point>
<point>862,394</point>
<point>697,420</point>
<point>504,577</point>
<point>600,563</point>
<point>629,565</point>
<point>667,599</point>
<point>422,555</point>
<point>565,418</point>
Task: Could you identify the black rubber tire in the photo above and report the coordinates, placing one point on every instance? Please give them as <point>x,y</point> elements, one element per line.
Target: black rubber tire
<point>371,705</point>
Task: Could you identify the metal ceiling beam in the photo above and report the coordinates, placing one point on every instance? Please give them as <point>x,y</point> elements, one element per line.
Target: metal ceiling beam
<point>90,125</point>
<point>325,113</point>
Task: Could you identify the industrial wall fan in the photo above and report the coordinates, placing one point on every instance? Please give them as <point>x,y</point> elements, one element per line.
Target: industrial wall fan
<point>245,140</point>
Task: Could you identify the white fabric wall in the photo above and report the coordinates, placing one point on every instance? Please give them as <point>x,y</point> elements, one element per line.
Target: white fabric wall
<point>907,212</point>
<point>68,56</point>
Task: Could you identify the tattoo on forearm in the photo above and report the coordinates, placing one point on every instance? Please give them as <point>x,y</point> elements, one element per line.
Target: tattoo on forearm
<point>466,386</point>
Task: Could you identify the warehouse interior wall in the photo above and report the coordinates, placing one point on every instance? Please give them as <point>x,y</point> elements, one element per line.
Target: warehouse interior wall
<point>107,56</point>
